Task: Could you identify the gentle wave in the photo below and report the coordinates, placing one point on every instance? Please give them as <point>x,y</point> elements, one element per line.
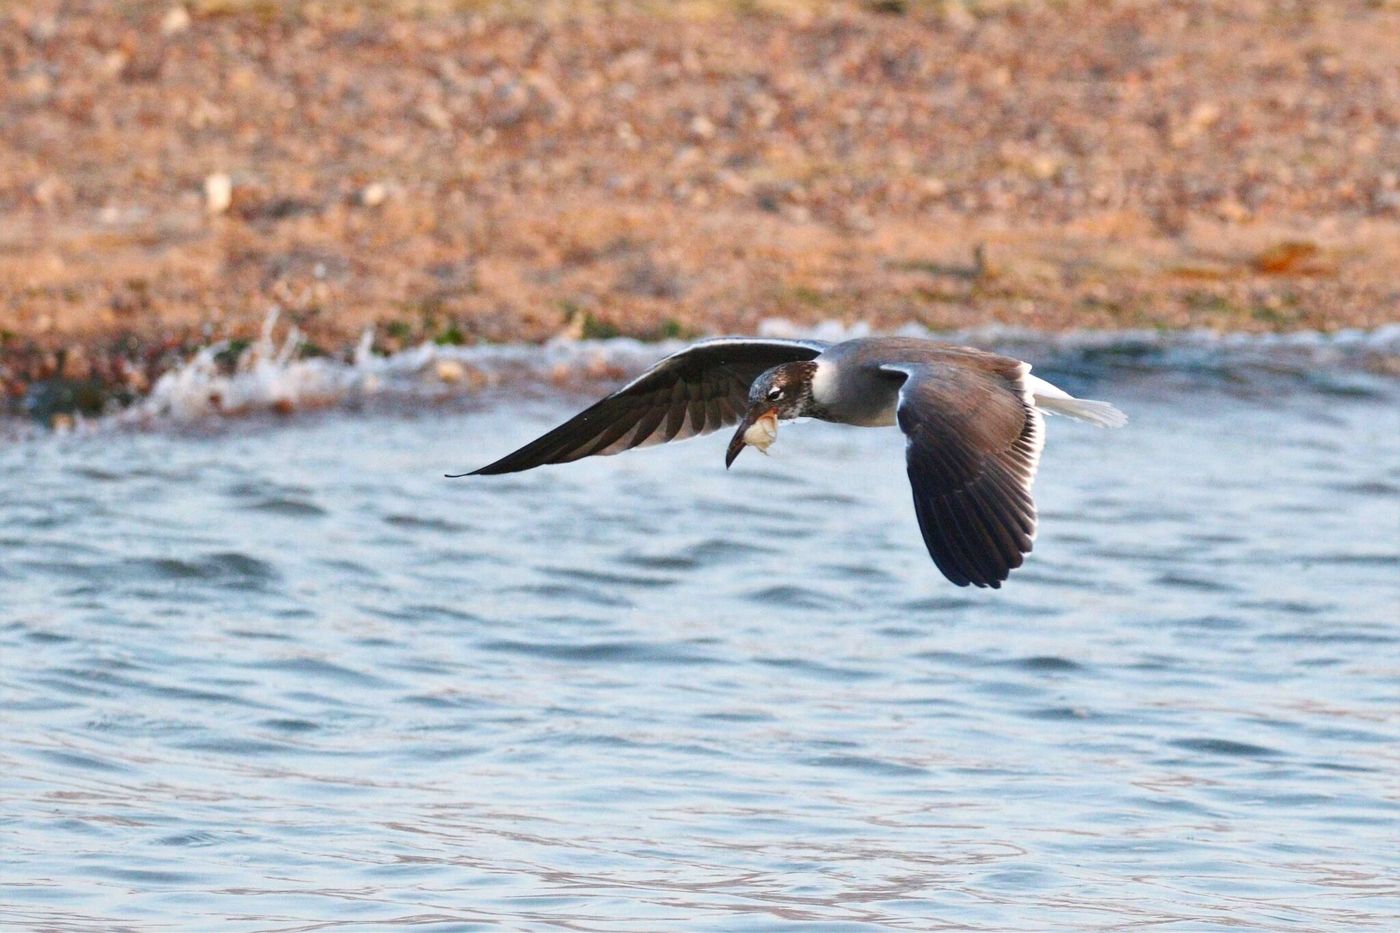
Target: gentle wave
<point>270,375</point>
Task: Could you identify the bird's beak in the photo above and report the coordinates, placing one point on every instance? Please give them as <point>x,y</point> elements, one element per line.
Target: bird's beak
<point>759,428</point>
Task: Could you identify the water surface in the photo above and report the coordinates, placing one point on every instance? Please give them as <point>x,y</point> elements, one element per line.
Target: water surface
<point>271,676</point>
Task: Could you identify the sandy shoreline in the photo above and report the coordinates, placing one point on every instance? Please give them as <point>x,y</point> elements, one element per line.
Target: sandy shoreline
<point>171,173</point>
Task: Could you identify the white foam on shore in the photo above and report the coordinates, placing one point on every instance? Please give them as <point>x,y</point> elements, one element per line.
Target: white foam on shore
<point>269,375</point>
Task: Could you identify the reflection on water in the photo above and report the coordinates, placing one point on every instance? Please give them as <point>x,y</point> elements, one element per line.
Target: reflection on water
<point>265,677</point>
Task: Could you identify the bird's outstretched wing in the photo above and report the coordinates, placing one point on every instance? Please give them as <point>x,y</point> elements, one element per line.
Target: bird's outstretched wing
<point>974,439</point>
<point>694,391</point>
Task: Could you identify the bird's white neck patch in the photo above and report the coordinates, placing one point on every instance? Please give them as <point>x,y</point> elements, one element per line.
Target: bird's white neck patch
<point>824,383</point>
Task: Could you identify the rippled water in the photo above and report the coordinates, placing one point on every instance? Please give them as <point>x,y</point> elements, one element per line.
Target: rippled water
<point>262,675</point>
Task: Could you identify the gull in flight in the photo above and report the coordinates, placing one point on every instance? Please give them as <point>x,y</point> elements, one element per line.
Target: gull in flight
<point>972,424</point>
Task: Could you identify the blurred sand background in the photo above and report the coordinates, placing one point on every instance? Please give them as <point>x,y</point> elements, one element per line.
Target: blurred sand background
<point>473,171</point>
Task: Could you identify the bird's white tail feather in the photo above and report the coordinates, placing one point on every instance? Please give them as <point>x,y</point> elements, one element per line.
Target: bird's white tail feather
<point>1100,413</point>
<point>1059,402</point>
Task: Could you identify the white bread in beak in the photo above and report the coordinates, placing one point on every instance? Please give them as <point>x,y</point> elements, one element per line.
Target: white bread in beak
<point>763,432</point>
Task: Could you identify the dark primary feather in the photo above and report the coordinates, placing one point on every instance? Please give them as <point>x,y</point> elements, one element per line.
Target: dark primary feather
<point>971,456</point>
<point>708,382</point>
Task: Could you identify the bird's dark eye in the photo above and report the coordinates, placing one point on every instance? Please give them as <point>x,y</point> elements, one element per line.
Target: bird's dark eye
<point>774,394</point>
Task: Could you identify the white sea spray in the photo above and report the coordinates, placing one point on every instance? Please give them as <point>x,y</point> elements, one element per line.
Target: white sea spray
<point>272,374</point>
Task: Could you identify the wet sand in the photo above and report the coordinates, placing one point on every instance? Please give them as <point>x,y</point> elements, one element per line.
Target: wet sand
<point>462,173</point>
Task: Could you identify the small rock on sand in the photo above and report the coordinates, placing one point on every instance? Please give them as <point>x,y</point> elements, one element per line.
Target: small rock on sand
<point>218,193</point>
<point>175,21</point>
<point>374,194</point>
<point>450,371</point>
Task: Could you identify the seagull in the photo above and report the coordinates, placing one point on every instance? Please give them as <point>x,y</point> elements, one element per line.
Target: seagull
<point>971,419</point>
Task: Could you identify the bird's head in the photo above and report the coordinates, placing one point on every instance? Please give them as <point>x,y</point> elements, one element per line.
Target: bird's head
<point>779,394</point>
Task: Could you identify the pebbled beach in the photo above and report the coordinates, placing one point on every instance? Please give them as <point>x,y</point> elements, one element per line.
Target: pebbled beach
<point>468,173</point>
